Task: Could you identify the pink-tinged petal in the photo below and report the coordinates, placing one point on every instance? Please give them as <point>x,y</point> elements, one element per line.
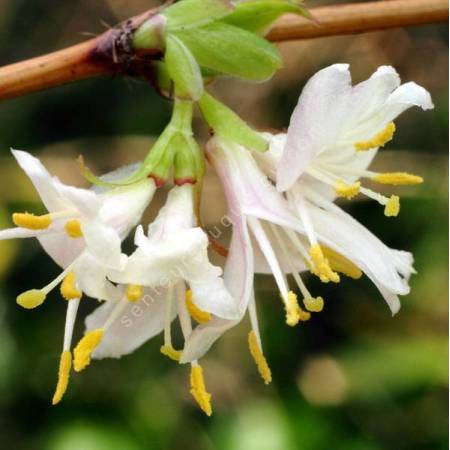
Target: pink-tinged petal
<point>248,190</point>
<point>238,277</point>
<point>138,323</point>
<point>315,121</point>
<point>44,183</point>
<point>239,266</point>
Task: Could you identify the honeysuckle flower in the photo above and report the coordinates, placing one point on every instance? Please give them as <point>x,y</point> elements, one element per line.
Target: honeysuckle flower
<point>170,257</point>
<point>336,130</point>
<point>333,137</point>
<point>267,235</point>
<point>303,228</point>
<point>82,233</point>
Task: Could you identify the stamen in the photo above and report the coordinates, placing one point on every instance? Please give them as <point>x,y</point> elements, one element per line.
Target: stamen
<point>196,313</point>
<point>134,292</point>
<point>347,191</point>
<point>32,222</point>
<point>269,254</point>
<point>65,364</point>
<point>313,304</point>
<point>392,206</point>
<point>73,228</point>
<point>35,297</point>
<point>321,265</point>
<point>68,288</point>
<point>341,264</point>
<point>84,349</point>
<point>31,299</point>
<point>379,140</point>
<point>183,314</point>
<point>169,351</point>
<point>198,389</point>
<point>294,313</point>
<point>258,356</point>
<point>397,178</point>
<point>295,274</point>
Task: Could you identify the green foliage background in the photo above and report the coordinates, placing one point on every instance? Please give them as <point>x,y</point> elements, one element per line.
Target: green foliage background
<point>353,378</point>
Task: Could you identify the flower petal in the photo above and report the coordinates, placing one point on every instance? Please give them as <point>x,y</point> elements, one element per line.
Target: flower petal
<point>342,233</point>
<point>248,191</point>
<point>138,323</point>
<point>62,249</point>
<point>315,121</point>
<point>122,208</point>
<point>104,244</point>
<point>44,183</point>
<point>91,279</point>
<point>203,337</point>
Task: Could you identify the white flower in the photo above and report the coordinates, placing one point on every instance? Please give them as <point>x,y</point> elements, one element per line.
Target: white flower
<point>336,129</point>
<point>334,134</point>
<point>82,232</point>
<point>332,138</point>
<point>173,256</point>
<point>266,234</point>
<point>83,229</point>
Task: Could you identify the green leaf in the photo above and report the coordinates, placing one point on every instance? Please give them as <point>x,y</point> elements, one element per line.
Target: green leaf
<point>257,15</point>
<point>229,125</point>
<point>232,51</point>
<point>195,13</point>
<point>183,69</point>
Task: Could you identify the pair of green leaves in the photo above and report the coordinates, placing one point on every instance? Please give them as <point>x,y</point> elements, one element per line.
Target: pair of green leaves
<point>221,37</point>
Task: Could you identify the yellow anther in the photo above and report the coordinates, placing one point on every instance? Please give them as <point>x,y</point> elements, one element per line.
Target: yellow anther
<point>84,349</point>
<point>260,360</point>
<point>65,364</point>
<point>347,190</point>
<point>31,299</point>
<point>32,222</point>
<point>68,288</point>
<point>196,313</point>
<point>198,390</point>
<point>169,351</point>
<point>392,207</point>
<point>379,140</point>
<point>341,264</point>
<point>313,304</point>
<point>294,313</point>
<point>397,178</point>
<point>321,265</point>
<point>134,292</point>
<point>73,228</point>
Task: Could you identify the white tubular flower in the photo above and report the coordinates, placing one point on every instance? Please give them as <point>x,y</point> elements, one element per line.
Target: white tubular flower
<point>175,250</point>
<point>336,130</point>
<point>82,232</point>
<point>173,255</point>
<point>261,215</point>
<point>334,134</point>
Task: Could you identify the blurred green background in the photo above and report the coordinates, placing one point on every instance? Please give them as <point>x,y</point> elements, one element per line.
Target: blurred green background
<point>352,378</point>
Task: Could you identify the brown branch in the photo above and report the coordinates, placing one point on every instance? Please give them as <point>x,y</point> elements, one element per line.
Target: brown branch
<point>112,53</point>
<point>359,18</point>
